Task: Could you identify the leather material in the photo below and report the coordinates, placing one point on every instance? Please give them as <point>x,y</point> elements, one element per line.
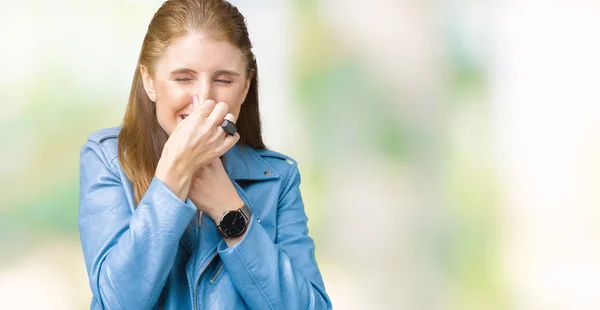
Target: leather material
<point>159,255</point>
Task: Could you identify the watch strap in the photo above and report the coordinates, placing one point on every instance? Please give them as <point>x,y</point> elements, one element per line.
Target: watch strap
<point>247,212</point>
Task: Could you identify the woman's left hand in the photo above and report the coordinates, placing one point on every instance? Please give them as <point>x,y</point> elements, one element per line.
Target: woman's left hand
<point>212,192</point>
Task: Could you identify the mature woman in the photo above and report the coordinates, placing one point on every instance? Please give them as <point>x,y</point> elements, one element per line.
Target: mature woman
<point>183,207</point>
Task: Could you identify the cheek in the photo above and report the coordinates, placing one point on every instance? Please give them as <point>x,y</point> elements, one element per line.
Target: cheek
<point>233,97</point>
<point>169,102</point>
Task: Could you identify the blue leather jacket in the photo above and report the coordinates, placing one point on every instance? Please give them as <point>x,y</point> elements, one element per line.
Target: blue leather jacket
<point>159,255</point>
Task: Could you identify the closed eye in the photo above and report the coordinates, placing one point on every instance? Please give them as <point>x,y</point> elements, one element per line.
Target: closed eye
<point>183,79</point>
<point>224,81</point>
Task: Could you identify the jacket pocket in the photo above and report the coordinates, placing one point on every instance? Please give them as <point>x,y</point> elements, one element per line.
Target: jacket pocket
<point>217,274</point>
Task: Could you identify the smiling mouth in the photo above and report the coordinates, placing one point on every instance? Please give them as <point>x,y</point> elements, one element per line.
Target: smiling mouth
<point>183,116</point>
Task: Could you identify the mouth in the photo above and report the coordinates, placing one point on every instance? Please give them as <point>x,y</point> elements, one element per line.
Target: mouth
<point>183,116</point>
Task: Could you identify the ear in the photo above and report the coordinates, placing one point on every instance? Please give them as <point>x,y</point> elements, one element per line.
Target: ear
<point>148,83</point>
<point>247,87</point>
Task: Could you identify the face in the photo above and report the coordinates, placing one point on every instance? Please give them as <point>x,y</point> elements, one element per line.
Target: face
<point>196,64</point>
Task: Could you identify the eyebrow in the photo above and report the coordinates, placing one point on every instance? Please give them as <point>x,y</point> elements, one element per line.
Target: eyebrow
<point>218,72</point>
<point>224,71</point>
<point>182,70</point>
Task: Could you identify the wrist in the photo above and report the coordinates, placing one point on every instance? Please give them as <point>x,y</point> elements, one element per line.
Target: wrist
<point>235,224</point>
<point>175,176</point>
<point>217,214</point>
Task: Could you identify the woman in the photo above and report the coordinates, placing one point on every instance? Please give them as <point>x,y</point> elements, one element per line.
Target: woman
<point>179,208</point>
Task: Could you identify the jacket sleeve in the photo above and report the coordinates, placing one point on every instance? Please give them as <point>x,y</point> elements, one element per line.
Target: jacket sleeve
<point>128,254</point>
<point>281,274</point>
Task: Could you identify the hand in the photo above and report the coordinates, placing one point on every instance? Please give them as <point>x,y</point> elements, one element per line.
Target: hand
<point>212,192</point>
<point>196,141</point>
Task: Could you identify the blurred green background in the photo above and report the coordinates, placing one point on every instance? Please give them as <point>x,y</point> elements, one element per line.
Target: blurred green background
<point>449,149</point>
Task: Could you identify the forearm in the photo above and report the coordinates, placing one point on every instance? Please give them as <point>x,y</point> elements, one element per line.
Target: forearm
<point>131,269</point>
<point>266,277</point>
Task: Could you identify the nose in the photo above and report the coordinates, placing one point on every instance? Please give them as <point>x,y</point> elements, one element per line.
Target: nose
<point>204,89</point>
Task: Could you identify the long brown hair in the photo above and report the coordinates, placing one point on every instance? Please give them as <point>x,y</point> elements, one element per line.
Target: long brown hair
<point>142,139</point>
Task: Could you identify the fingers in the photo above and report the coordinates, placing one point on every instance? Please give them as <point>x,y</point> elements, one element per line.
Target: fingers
<point>213,114</point>
<point>228,143</point>
<point>202,109</point>
<point>230,117</point>
<point>227,130</point>
<point>218,113</point>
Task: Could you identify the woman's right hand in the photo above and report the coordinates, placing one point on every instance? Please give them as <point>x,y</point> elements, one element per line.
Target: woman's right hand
<point>196,141</point>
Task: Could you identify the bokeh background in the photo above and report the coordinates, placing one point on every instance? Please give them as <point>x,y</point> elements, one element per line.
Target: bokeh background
<point>450,150</point>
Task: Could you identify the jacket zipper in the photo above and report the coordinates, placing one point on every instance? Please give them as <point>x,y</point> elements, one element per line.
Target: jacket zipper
<point>217,273</point>
<point>200,274</point>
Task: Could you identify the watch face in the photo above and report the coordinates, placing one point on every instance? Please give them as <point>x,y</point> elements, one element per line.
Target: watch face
<point>233,223</point>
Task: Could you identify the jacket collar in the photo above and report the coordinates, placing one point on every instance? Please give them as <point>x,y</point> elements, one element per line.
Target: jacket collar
<point>243,163</point>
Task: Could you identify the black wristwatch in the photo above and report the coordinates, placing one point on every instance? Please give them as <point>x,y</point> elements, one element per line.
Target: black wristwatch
<point>234,223</point>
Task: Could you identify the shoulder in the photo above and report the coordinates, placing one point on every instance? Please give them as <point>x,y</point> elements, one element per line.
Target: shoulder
<point>104,141</point>
<point>280,163</point>
<point>104,134</point>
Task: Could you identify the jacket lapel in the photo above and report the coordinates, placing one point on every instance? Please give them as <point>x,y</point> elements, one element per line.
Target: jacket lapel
<point>243,163</point>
